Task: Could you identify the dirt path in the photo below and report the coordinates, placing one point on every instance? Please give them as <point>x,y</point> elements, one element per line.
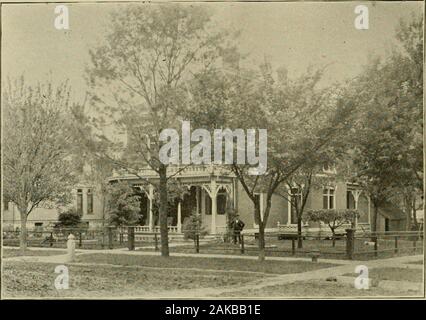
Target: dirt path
<point>344,267</point>
<point>320,274</point>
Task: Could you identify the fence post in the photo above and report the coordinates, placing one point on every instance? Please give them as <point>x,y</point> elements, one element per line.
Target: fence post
<point>197,243</point>
<point>396,244</point>
<point>51,239</point>
<point>242,243</point>
<point>375,246</point>
<point>80,240</point>
<point>293,246</point>
<point>155,241</point>
<point>350,237</point>
<point>131,238</point>
<point>110,239</point>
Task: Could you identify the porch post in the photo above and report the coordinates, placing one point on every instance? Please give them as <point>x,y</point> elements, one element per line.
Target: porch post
<point>84,201</point>
<point>356,194</point>
<point>197,198</point>
<point>179,217</point>
<point>151,198</point>
<point>213,195</point>
<point>369,211</point>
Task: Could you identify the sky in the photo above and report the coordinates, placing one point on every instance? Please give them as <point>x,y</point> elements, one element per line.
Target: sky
<point>294,35</point>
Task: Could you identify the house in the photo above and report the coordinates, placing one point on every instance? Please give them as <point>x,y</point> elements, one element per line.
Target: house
<point>210,188</point>
<point>85,200</point>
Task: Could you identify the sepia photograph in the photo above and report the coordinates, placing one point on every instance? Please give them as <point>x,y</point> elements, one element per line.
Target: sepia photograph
<point>212,150</point>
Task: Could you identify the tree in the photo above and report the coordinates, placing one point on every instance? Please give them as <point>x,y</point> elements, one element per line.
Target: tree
<point>333,218</point>
<point>37,167</point>
<point>123,204</point>
<point>387,158</point>
<point>137,79</point>
<point>301,121</point>
<point>193,226</point>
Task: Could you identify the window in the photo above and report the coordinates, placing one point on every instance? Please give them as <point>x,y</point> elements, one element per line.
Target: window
<point>328,198</point>
<point>5,204</point>
<point>350,201</point>
<point>89,201</point>
<point>329,168</point>
<point>296,200</point>
<point>38,229</point>
<point>80,201</point>
<point>221,202</point>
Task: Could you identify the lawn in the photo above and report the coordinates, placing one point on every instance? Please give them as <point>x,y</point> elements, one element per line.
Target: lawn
<point>226,264</point>
<point>394,274</point>
<point>37,280</point>
<point>10,253</point>
<point>317,289</point>
<point>283,248</point>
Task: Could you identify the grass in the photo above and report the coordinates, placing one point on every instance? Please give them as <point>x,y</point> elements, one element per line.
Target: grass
<point>417,262</point>
<point>394,274</point>
<point>10,253</point>
<point>37,280</point>
<point>318,289</point>
<point>226,264</point>
<point>283,248</point>
<point>37,243</point>
<point>275,247</point>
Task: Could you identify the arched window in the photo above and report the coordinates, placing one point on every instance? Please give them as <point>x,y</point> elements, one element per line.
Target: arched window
<point>80,201</point>
<point>89,201</point>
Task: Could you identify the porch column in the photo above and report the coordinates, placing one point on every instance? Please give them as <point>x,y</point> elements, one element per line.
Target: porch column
<point>84,201</point>
<point>151,199</point>
<point>369,211</point>
<point>213,194</point>
<point>179,217</point>
<point>197,198</point>
<point>356,194</point>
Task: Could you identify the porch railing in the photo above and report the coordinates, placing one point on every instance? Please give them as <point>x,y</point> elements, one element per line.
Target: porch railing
<point>190,170</point>
<point>171,229</point>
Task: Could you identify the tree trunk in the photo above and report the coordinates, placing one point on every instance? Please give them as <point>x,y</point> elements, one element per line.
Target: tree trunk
<point>408,210</point>
<point>261,241</point>
<point>333,234</point>
<point>163,211</point>
<point>23,233</point>
<point>299,232</point>
<point>415,214</point>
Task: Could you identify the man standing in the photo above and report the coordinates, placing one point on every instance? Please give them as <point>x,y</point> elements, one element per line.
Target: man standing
<point>237,226</point>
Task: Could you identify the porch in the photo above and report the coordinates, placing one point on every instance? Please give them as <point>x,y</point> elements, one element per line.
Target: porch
<point>211,189</point>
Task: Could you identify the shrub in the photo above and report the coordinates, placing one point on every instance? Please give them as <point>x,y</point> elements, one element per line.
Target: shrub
<point>192,225</point>
<point>123,205</point>
<point>332,217</point>
<point>69,219</point>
